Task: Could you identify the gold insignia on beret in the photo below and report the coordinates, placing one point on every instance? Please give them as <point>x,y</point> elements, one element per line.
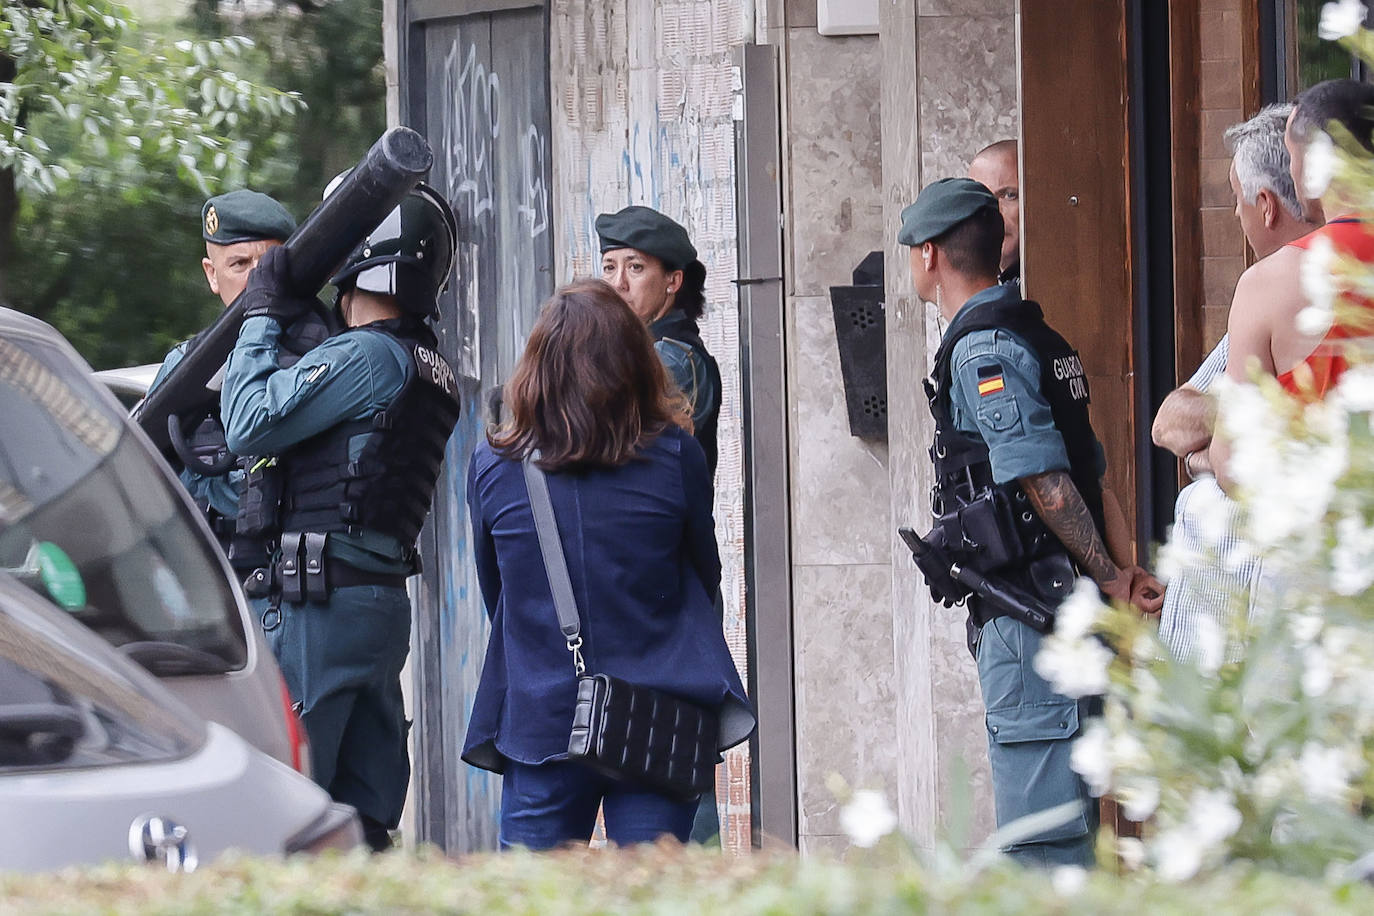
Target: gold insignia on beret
<point>211,221</point>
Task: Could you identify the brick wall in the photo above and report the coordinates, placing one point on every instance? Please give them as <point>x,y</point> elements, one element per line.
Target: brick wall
<point>1221,93</point>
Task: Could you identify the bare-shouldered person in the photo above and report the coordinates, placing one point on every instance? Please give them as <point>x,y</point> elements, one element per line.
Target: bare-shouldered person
<point>1263,325</point>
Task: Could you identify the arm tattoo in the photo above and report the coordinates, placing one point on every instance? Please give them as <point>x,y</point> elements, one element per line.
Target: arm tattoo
<point>1058,502</point>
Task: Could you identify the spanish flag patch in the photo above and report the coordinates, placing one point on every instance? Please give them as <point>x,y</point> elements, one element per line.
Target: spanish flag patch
<point>989,386</point>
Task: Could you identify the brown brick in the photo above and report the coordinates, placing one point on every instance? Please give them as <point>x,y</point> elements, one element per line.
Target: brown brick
<point>1220,35</point>
<point>1216,183</point>
<point>1221,235</point>
<point>1221,38</point>
<point>1219,276</point>
<point>1221,85</point>
<point>1214,124</point>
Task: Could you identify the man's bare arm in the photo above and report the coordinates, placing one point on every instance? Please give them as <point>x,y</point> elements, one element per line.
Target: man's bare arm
<point>1117,536</point>
<point>1184,422</point>
<point>1058,502</point>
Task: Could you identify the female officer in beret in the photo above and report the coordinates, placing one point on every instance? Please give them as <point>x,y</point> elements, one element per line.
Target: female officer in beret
<point>651,262</point>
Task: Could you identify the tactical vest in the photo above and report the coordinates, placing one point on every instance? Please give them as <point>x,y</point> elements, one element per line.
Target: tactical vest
<point>207,440</point>
<point>1007,530</point>
<point>389,486</point>
<point>680,331</point>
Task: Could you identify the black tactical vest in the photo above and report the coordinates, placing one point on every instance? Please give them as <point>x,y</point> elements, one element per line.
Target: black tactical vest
<point>207,440</point>
<point>679,330</point>
<point>388,488</point>
<point>963,471</point>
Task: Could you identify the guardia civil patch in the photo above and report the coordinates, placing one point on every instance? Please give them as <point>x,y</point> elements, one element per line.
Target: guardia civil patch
<point>990,380</point>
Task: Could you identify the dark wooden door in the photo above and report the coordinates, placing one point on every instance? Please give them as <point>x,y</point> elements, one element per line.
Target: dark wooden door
<point>1077,260</point>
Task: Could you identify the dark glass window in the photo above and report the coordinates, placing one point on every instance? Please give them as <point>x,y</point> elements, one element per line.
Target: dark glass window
<point>1316,59</point>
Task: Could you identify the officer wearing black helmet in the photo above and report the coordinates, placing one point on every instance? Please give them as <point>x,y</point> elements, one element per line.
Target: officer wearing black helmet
<point>238,228</point>
<point>350,442</point>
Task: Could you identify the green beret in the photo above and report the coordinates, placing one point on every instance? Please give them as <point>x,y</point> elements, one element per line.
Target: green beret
<point>942,206</point>
<point>244,216</point>
<point>648,231</point>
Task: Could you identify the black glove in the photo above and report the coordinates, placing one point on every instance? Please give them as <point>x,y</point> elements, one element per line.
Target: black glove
<point>269,291</point>
<point>934,563</point>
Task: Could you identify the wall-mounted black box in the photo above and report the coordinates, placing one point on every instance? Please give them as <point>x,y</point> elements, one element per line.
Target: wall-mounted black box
<point>861,332</point>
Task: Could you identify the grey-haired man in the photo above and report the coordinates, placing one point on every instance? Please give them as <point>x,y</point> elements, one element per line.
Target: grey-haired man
<point>1270,215</point>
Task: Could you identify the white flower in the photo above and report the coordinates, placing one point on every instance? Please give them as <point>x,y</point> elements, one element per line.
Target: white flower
<point>1139,800</point>
<point>1305,627</point>
<point>1316,671</point>
<point>1211,646</point>
<point>1325,772</point>
<point>1352,557</point>
<point>1068,880</point>
<point>1178,854</point>
<point>1132,852</point>
<point>1318,284</point>
<point>1076,668</point>
<point>1341,19</point>
<point>1355,390</point>
<point>1212,816</point>
<point>867,818</point>
<point>1318,165</point>
<point>1090,757</point>
<point>1078,613</point>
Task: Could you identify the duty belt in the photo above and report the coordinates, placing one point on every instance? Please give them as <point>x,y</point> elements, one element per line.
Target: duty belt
<point>304,573</point>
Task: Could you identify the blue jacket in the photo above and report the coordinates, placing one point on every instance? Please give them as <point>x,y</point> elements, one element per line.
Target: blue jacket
<point>641,552</point>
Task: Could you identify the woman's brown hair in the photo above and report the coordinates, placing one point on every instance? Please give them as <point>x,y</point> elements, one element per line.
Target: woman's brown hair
<point>589,388</point>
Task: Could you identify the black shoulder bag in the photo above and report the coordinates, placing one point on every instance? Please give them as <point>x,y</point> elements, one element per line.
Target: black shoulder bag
<point>629,733</point>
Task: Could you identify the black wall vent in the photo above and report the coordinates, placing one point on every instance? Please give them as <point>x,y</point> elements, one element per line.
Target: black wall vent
<point>861,331</point>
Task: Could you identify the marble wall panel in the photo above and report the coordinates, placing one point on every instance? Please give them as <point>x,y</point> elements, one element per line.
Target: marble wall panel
<point>964,62</point>
<point>966,8</point>
<point>842,629</point>
<point>834,206</point>
<point>908,427</point>
<point>840,505</point>
<point>968,88</point>
<point>826,846</point>
<point>801,14</point>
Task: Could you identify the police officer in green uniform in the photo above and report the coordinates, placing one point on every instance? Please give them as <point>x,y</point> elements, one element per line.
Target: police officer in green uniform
<point>651,262</point>
<point>238,228</point>
<point>349,443</point>
<point>1018,499</point>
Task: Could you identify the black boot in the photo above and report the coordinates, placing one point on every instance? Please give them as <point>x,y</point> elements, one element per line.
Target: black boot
<point>376,835</point>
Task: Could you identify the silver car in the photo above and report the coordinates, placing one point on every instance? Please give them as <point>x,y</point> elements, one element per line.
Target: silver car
<point>94,521</point>
<point>98,762</point>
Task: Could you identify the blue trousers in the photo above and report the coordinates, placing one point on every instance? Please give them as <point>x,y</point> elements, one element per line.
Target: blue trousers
<point>1030,731</point>
<point>342,662</point>
<point>547,805</point>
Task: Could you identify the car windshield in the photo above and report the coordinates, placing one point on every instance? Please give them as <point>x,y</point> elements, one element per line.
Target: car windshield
<point>90,522</point>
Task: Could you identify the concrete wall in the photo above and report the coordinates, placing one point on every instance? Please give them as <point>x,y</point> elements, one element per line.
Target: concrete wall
<point>642,114</point>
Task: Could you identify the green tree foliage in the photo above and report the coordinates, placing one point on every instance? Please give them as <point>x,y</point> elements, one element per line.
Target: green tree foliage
<point>111,253</point>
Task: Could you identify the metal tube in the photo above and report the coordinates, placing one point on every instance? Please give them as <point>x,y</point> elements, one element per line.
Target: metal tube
<point>371,190</point>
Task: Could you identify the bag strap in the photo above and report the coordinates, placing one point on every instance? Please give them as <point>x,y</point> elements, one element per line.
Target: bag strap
<point>555,564</point>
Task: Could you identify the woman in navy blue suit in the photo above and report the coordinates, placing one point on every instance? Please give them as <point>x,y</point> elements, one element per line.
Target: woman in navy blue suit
<point>632,497</point>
